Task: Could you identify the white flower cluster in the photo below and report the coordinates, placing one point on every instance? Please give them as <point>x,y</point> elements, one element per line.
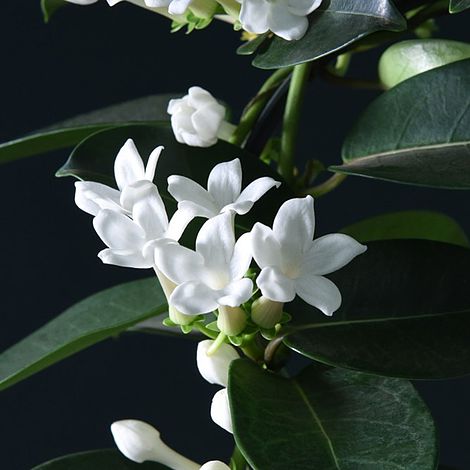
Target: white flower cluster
<point>132,221</point>
<point>285,18</point>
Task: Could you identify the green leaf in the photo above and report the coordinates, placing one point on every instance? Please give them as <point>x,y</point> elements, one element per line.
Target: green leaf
<point>334,419</point>
<point>424,225</point>
<point>250,47</point>
<point>92,320</point>
<point>94,158</point>
<point>71,131</point>
<point>413,135</point>
<point>405,313</point>
<point>333,26</point>
<point>49,7</point>
<point>456,6</point>
<point>106,459</point>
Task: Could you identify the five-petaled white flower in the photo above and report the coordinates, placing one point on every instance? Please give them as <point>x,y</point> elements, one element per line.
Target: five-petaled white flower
<point>197,119</point>
<point>223,192</point>
<point>292,263</point>
<point>211,276</point>
<point>285,18</point>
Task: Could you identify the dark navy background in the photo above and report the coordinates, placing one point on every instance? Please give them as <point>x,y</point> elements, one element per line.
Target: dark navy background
<point>89,57</point>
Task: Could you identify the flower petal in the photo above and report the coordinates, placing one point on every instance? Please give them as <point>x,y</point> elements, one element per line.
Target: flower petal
<point>152,163</point>
<point>330,253</point>
<point>128,166</point>
<point>285,24</point>
<point>220,410</point>
<point>225,182</point>
<point>275,285</point>
<point>302,7</point>
<point>241,258</point>
<point>91,197</point>
<point>178,223</point>
<point>254,14</point>
<point>193,298</point>
<point>214,367</point>
<point>319,292</point>
<point>265,247</point>
<point>185,189</point>
<point>255,190</point>
<point>215,243</point>
<point>118,231</point>
<point>236,293</point>
<point>125,258</point>
<point>178,7</point>
<point>293,227</point>
<point>206,122</point>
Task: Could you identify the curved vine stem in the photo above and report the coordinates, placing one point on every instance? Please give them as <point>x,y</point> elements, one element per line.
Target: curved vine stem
<point>327,186</point>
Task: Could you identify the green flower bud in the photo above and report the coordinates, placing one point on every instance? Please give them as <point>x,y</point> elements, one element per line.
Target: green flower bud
<point>406,59</point>
<point>179,318</point>
<point>266,313</point>
<point>231,320</point>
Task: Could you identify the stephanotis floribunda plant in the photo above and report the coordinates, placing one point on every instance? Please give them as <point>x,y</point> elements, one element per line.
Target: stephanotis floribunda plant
<point>221,210</point>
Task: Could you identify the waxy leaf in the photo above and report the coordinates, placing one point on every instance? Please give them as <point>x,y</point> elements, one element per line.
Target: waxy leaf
<point>425,225</point>
<point>411,134</point>
<point>106,459</point>
<point>349,20</point>
<point>405,313</point>
<point>71,131</point>
<point>94,158</point>
<point>456,6</point>
<point>92,320</point>
<point>327,420</point>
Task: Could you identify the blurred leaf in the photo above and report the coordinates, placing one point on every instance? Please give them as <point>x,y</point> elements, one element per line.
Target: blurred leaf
<point>93,159</point>
<point>333,26</point>
<point>71,131</point>
<point>89,321</point>
<point>405,313</point>
<point>107,459</point>
<point>456,6</point>
<point>250,47</point>
<point>424,225</point>
<point>411,134</point>
<point>49,7</point>
<point>329,420</point>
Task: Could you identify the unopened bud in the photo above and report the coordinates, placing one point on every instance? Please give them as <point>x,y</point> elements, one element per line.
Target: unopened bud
<point>139,442</point>
<point>231,320</point>
<point>266,313</point>
<point>214,367</point>
<point>215,465</point>
<point>220,410</point>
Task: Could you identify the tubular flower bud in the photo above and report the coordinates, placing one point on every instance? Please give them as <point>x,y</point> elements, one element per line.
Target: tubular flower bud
<point>214,367</point>
<point>220,410</point>
<point>231,320</point>
<point>215,465</point>
<point>266,313</point>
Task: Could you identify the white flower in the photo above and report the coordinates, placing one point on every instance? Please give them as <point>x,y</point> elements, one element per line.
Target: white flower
<point>175,7</point>
<point>220,410</point>
<point>197,118</point>
<point>223,192</point>
<point>140,442</point>
<point>285,18</point>
<point>211,276</point>
<point>292,263</point>
<point>82,2</point>
<point>215,465</point>
<point>214,367</point>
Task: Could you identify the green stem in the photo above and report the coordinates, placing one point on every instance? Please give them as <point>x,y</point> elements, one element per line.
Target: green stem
<point>291,121</point>
<point>217,343</point>
<point>253,349</point>
<point>205,331</point>
<point>237,461</point>
<point>325,187</point>
<point>256,106</point>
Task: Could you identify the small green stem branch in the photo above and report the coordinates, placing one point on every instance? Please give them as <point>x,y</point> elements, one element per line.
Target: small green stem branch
<point>256,106</point>
<point>217,343</point>
<point>325,187</point>
<point>237,461</point>
<point>206,331</point>
<point>292,112</point>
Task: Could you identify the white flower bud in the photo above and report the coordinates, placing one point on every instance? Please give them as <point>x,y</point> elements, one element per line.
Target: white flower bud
<point>220,410</point>
<point>214,368</point>
<point>196,118</point>
<point>139,442</point>
<point>266,313</point>
<point>82,2</point>
<point>215,465</point>
<point>231,320</point>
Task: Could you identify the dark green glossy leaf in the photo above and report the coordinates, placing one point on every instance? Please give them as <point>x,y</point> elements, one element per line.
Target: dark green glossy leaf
<point>456,6</point>
<point>329,420</point>
<point>106,459</point>
<point>348,20</point>
<point>49,7</point>
<point>411,134</point>
<point>71,131</point>
<point>424,225</point>
<point>94,158</point>
<point>92,320</point>
<point>405,313</point>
